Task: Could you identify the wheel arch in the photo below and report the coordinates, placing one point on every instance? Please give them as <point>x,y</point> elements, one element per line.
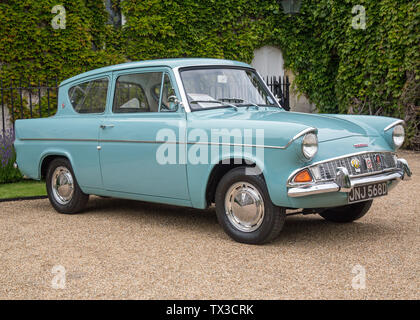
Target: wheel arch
<point>48,156</point>
<point>221,168</point>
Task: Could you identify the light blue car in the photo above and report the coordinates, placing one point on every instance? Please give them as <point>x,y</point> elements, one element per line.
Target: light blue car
<point>197,132</point>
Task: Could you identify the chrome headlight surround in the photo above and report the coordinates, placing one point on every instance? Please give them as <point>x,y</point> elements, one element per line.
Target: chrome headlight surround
<point>395,134</point>
<point>398,136</point>
<point>309,145</point>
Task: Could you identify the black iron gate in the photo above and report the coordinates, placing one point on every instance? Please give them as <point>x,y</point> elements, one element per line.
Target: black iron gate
<point>27,99</point>
<point>280,88</point>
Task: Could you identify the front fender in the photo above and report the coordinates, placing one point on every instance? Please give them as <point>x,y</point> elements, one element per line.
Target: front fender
<point>199,174</point>
<point>279,145</point>
<point>274,164</point>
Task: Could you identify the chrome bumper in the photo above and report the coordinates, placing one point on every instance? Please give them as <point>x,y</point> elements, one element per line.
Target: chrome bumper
<point>343,182</point>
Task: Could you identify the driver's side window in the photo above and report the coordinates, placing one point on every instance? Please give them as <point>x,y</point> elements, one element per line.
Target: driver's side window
<point>141,92</point>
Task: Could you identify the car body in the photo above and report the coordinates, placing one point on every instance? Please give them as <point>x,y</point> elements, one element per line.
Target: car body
<point>112,141</point>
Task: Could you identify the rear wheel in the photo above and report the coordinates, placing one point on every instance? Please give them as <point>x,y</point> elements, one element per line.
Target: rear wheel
<point>244,208</point>
<point>63,190</point>
<point>347,213</point>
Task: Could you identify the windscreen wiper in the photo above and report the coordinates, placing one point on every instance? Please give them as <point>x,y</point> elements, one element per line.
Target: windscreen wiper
<point>223,104</point>
<point>240,101</point>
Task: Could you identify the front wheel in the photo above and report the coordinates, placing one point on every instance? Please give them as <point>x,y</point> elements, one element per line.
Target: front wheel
<point>63,190</point>
<point>348,213</point>
<point>244,208</point>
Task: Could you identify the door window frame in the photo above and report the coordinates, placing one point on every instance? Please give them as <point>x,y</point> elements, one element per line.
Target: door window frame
<point>163,70</point>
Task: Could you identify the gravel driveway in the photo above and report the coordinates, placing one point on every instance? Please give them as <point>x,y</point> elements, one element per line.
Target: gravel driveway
<point>134,250</point>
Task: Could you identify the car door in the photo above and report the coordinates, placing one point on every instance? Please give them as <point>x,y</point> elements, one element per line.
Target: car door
<point>133,134</point>
<point>80,133</point>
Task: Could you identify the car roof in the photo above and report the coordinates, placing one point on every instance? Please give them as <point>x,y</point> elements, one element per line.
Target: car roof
<point>171,63</point>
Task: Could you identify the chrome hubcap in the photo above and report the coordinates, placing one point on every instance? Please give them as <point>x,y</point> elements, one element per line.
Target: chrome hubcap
<point>244,206</point>
<point>62,185</point>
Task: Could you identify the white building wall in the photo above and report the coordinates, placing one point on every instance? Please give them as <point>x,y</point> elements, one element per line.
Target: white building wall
<point>268,61</point>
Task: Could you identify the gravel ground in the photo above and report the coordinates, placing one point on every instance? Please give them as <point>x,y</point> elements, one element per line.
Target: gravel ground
<point>134,250</point>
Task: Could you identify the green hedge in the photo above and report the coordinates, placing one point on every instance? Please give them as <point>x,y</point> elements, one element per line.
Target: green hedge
<point>340,69</point>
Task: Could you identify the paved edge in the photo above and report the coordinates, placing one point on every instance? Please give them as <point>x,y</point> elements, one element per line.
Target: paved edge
<point>23,198</point>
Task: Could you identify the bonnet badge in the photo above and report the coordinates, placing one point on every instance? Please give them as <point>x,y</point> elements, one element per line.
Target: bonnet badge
<point>360,145</point>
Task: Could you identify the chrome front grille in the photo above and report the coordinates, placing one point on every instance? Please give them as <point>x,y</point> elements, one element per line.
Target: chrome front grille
<point>369,163</point>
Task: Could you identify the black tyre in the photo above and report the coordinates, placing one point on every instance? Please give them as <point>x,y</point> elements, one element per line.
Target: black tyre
<point>244,208</point>
<point>63,190</point>
<point>348,213</point>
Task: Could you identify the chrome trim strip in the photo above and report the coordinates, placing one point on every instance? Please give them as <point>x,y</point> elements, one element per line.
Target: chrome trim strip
<point>300,134</point>
<point>142,141</point>
<point>169,142</point>
<point>53,139</point>
<point>297,136</point>
<point>349,155</point>
<point>394,124</point>
<point>315,189</point>
<point>398,174</point>
<point>98,141</point>
<point>303,132</point>
<point>241,145</point>
<point>372,173</point>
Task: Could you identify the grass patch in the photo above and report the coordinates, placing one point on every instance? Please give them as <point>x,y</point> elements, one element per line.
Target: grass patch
<point>27,188</point>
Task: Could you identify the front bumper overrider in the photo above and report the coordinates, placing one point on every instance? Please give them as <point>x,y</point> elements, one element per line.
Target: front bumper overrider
<point>343,182</point>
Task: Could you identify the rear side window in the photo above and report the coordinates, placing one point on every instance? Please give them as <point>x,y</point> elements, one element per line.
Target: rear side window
<point>89,97</point>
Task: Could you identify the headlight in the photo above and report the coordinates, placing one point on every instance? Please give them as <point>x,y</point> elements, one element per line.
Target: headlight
<point>309,145</point>
<point>398,136</point>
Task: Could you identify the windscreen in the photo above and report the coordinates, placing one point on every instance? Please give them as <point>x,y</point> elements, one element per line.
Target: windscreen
<point>217,87</point>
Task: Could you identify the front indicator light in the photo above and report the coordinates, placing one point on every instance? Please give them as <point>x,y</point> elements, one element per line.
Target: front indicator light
<point>303,176</point>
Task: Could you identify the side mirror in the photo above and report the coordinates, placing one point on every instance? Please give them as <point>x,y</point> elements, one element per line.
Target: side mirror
<point>173,99</point>
<point>173,103</point>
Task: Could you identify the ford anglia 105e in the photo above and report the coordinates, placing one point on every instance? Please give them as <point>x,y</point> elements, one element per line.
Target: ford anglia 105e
<point>198,132</point>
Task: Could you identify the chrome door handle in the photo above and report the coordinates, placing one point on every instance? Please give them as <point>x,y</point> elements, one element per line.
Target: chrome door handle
<point>104,126</point>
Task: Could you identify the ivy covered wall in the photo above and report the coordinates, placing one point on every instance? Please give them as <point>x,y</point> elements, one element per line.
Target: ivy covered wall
<point>341,69</point>
<point>31,47</point>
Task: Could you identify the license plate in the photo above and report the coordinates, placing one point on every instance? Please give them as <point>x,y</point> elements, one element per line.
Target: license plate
<point>369,191</point>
